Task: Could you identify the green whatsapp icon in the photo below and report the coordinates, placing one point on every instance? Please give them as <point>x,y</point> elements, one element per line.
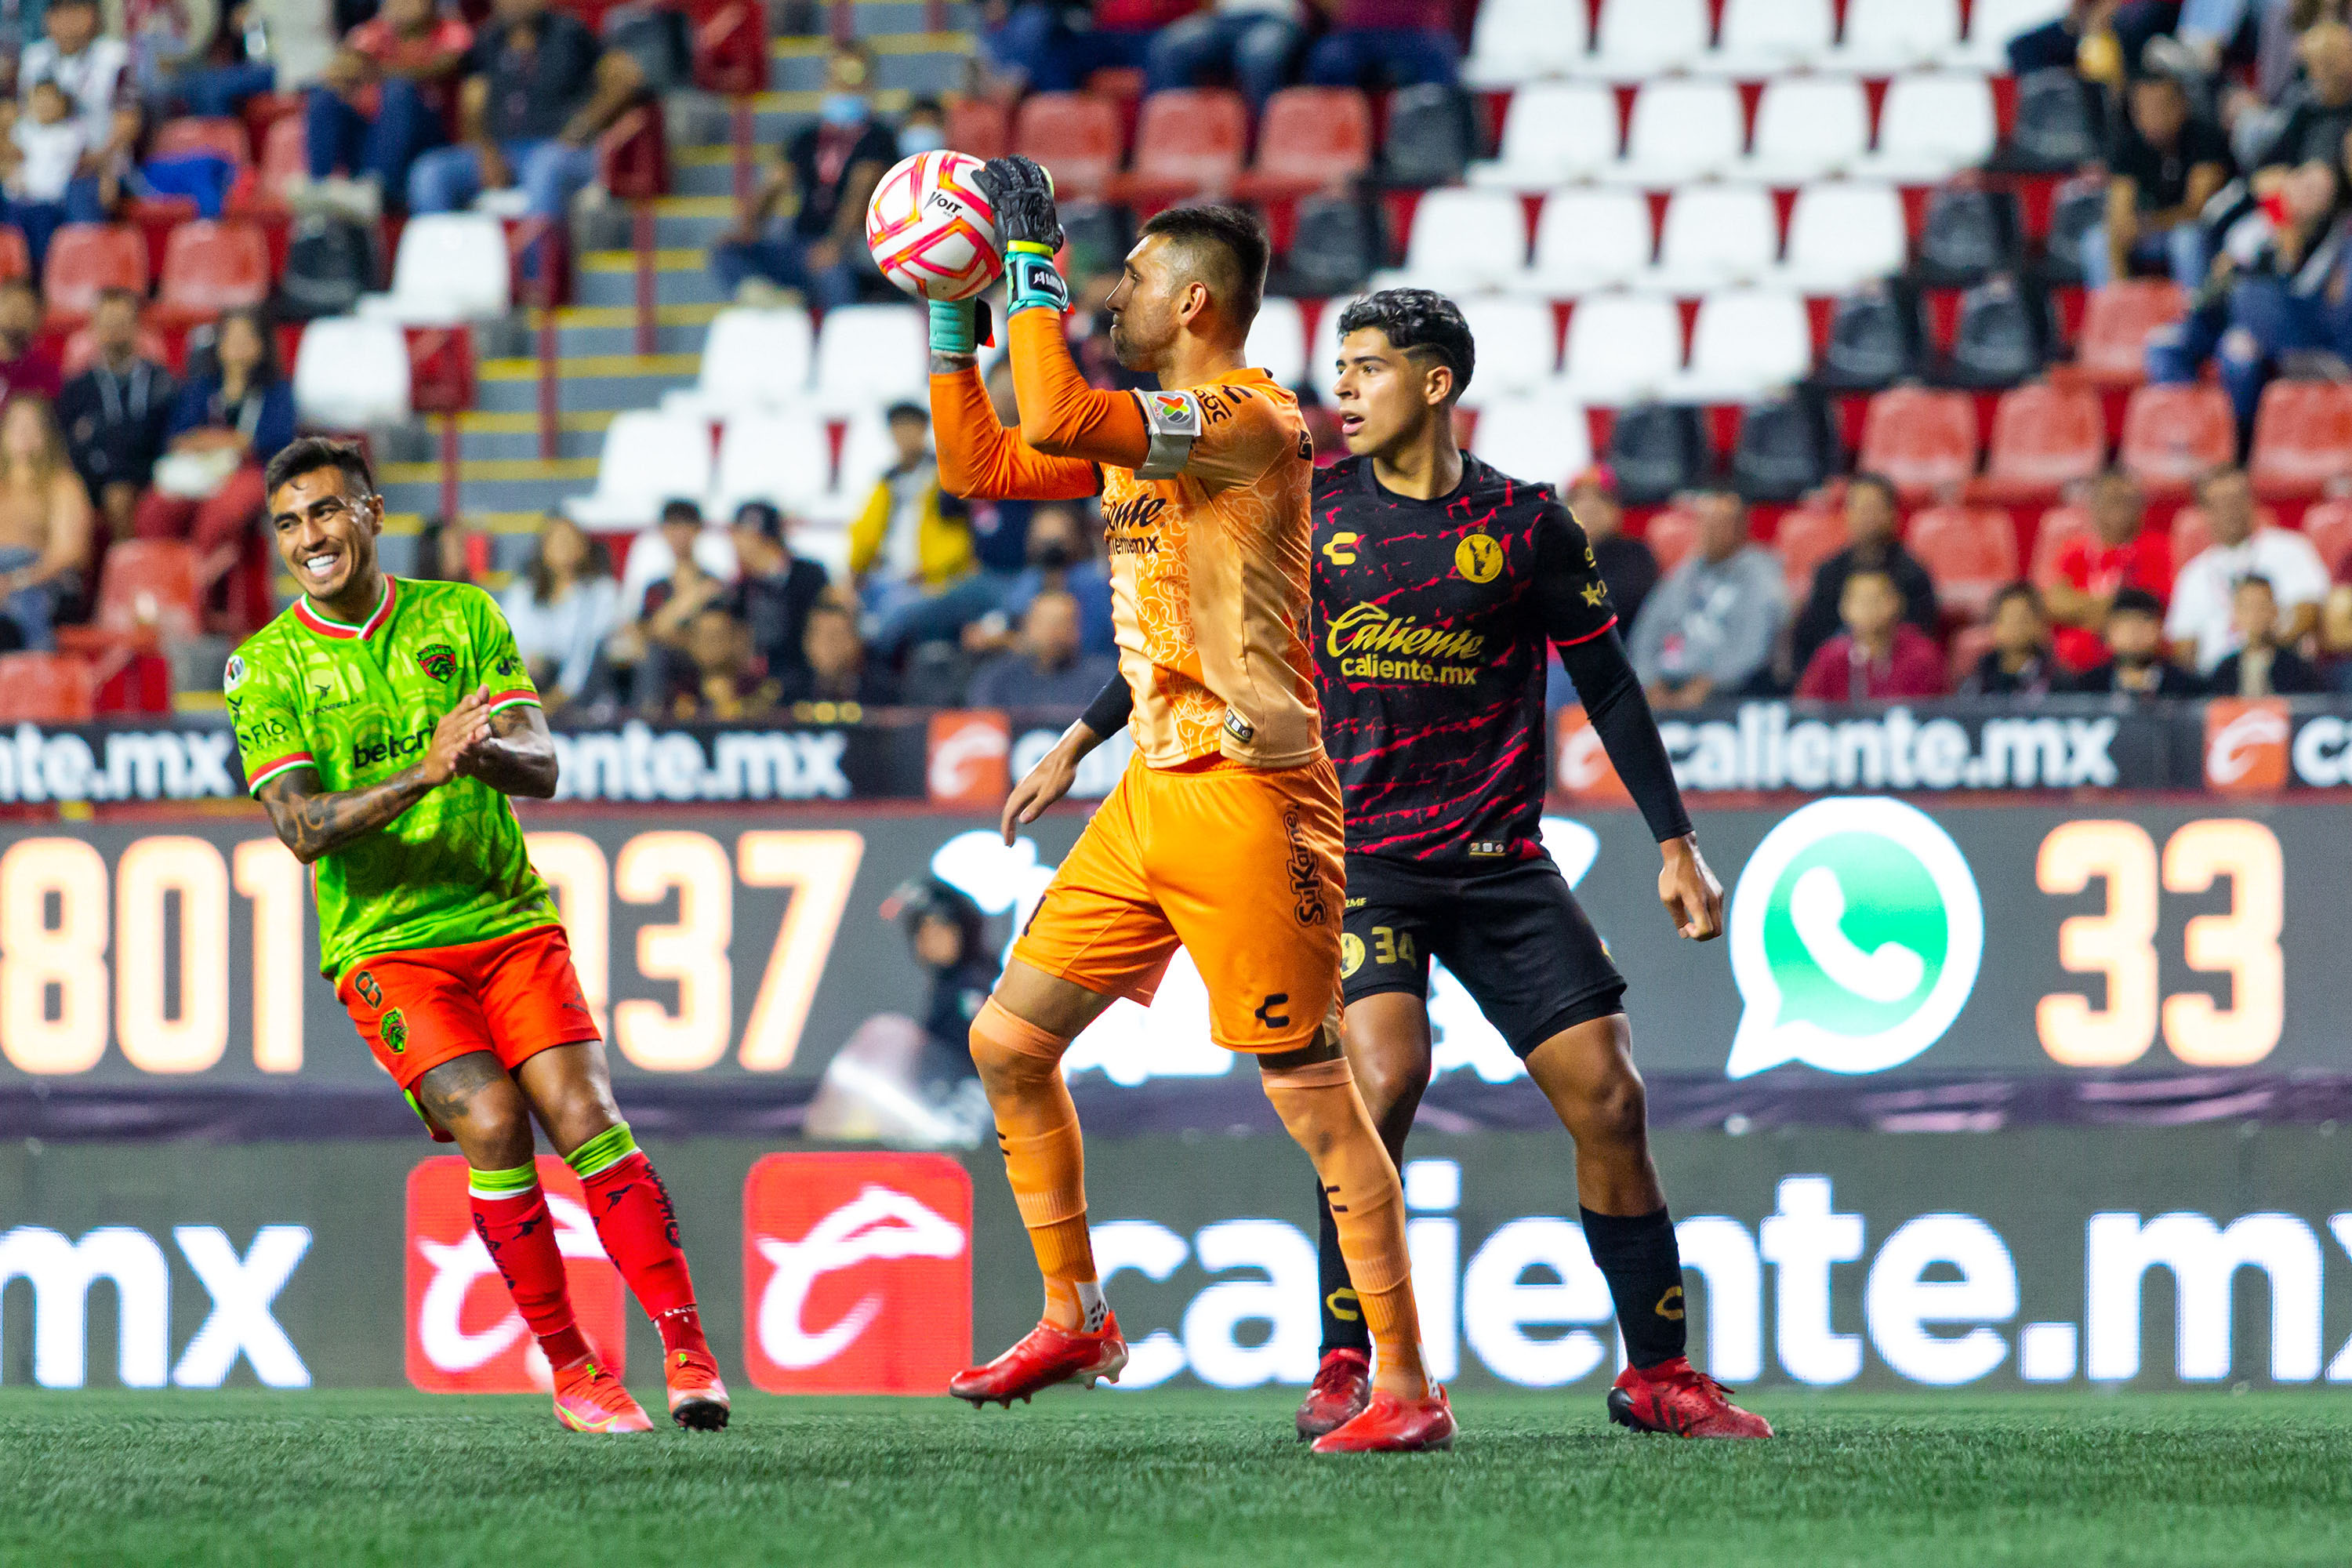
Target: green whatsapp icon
<point>1856,934</point>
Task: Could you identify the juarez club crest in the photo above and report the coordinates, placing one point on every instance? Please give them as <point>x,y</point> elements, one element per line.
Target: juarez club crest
<point>438,660</point>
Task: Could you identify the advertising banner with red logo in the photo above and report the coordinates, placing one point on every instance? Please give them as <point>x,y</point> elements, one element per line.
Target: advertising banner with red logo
<point>2246,745</point>
<point>464,1333</point>
<point>856,1273</point>
<point>968,754</point>
<point>1581,764</point>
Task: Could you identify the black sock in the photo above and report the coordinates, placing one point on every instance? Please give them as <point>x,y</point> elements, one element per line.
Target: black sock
<point>1638,1256</point>
<point>1343,1319</point>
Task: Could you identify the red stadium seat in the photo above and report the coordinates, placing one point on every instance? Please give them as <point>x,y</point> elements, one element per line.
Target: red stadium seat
<point>2328,526</point>
<point>1310,138</point>
<point>980,127</point>
<point>1671,536</point>
<point>1075,136</point>
<point>2303,438</point>
<point>1806,539</point>
<point>193,138</point>
<point>209,268</point>
<point>1189,142</point>
<point>285,159</point>
<point>46,688</point>
<point>87,258</point>
<point>2058,525</point>
<point>1970,553</point>
<point>2173,434</point>
<point>2116,324</point>
<point>15,261</point>
<point>149,585</point>
<point>1924,441</point>
<point>2044,438</point>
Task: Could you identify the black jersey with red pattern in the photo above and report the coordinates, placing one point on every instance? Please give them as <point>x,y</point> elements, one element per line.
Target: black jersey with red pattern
<point>1431,619</point>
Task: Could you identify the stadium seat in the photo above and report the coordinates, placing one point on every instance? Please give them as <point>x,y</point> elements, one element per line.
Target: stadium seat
<point>2328,526</point>
<point>150,588</point>
<point>1338,244</point>
<point>2002,335</point>
<point>1806,128</point>
<point>1189,142</point>
<point>751,359</point>
<point>1323,353</point>
<point>1993,23</point>
<point>1076,136</point>
<point>1714,236</point>
<point>1764,38</point>
<point>15,259</point>
<point>285,159</point>
<point>979,126</point>
<point>1657,452</point>
<point>2112,347</point>
<point>1310,138</point>
<point>1428,136</point>
<point>2059,527</point>
<point>1970,554</point>
<point>2076,210</point>
<point>190,137</point>
<point>1969,235</point>
<point>1517,41</point>
<point>1587,239</point>
<point>450,268</point>
<point>1922,440</point>
<point>2174,434</point>
<point>784,458</point>
<point>1517,349</point>
<point>1277,342</point>
<point>209,268</point>
<point>2053,131</point>
<point>1464,240</point>
<point>649,459</point>
<point>2303,438</point>
<point>1672,536</point>
<point>1875,340</point>
<point>1639,39</point>
<point>46,688</point>
<point>872,353</point>
<point>351,373</point>
<point>86,259</point>
<point>1621,347</point>
<point>1932,125</point>
<point>2044,438</point>
<point>1787,446</point>
<point>1542,438</point>
<point>1554,132</point>
<point>1681,129</point>
<point>867,452</point>
<point>1745,342</point>
<point>1807,537</point>
<point>1842,234</point>
<point>1883,36</point>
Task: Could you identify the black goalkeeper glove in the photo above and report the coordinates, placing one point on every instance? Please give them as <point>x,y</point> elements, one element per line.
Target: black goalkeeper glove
<point>1022,194</point>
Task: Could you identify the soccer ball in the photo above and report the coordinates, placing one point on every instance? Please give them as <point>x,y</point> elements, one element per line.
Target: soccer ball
<point>931,228</point>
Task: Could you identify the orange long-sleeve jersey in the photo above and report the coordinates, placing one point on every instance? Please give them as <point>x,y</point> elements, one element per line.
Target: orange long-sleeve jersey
<point>1205,513</point>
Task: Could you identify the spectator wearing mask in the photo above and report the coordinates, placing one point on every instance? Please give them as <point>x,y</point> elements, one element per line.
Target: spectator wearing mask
<point>1255,40</point>
<point>90,69</point>
<point>1880,656</point>
<point>834,673</point>
<point>1626,564</point>
<point>1403,42</point>
<point>538,89</point>
<point>726,685</point>
<point>2204,616</point>
<point>654,553</point>
<point>777,589</point>
<point>1045,46</point>
<point>913,541</point>
<point>923,128</point>
<point>1060,559</point>
<point>28,362</point>
<point>1709,629</point>
<point>2164,162</point>
<point>2262,666</point>
<point>831,168</point>
<point>2136,667</point>
<point>224,428</point>
<point>1871,515</point>
<point>117,412</point>
<point>562,608</point>
<point>1047,669</point>
<point>2018,663</point>
<point>44,530</point>
<point>388,97</point>
<point>2121,552</point>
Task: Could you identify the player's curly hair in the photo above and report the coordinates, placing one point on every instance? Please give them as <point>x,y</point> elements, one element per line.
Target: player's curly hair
<point>311,453</point>
<point>1419,323</point>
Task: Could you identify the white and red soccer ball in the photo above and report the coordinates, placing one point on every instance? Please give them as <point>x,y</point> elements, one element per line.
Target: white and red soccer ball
<point>932,229</point>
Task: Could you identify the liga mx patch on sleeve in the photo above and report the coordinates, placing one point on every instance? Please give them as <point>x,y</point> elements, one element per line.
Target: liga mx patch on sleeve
<point>1174,419</point>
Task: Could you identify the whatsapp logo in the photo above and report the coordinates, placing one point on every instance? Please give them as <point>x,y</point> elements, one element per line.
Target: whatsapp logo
<point>1856,933</point>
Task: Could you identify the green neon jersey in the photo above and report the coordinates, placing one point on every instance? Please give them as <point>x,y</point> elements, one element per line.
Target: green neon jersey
<point>359,704</point>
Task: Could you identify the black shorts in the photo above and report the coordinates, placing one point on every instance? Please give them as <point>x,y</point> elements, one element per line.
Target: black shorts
<point>1513,935</point>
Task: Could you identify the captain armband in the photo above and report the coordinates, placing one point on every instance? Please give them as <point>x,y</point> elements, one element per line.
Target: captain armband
<point>1174,419</point>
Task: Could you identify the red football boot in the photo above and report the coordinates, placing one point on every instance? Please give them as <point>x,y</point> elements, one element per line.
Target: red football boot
<point>698,1400</point>
<point>1045,1356</point>
<point>1389,1425</point>
<point>1342,1387</point>
<point>1675,1398</point>
<point>590,1399</point>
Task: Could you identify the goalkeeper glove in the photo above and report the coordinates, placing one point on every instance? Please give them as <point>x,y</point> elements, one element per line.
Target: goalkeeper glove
<point>1022,194</point>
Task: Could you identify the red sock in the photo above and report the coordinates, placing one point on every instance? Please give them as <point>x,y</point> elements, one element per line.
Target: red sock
<point>639,1230</point>
<point>521,1234</point>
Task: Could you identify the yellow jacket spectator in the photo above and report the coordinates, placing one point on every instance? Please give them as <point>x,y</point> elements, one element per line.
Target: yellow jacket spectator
<point>912,534</point>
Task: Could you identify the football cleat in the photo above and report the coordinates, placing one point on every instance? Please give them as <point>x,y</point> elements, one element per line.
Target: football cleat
<point>1045,1356</point>
<point>590,1399</point>
<point>1675,1398</point>
<point>1388,1424</point>
<point>698,1400</point>
<point>1342,1387</point>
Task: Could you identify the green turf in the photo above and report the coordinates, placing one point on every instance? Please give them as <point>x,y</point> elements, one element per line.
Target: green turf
<point>1170,1477</point>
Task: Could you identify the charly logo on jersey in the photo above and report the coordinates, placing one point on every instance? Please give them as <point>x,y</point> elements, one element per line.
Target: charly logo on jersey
<point>1478,558</point>
<point>438,660</point>
<point>1856,934</point>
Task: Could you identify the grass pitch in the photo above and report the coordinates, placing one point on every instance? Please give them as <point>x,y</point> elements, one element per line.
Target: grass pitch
<point>1170,1478</point>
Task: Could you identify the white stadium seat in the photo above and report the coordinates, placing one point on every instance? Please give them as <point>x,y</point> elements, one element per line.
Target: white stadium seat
<point>1842,234</point>
<point>451,268</point>
<point>1519,348</point>
<point>1464,240</point>
<point>1764,37</point>
<point>1587,240</point>
<point>1554,132</point>
<point>1521,41</point>
<point>751,359</point>
<point>1543,439</point>
<point>1993,23</point>
<point>782,456</point>
<point>1623,347</point>
<point>867,353</point>
<point>351,373</point>
<point>1883,36</point>
<point>1807,127</point>
<point>1278,340</point>
<point>1933,124</point>
<point>649,457</point>
<point>867,452</point>
<point>1716,234</point>
<point>1680,130</point>
<point>1745,342</point>
<point>1640,38</point>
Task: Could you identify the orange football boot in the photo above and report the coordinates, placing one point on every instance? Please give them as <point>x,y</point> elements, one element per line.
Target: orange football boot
<point>1342,1387</point>
<point>1392,1426</point>
<point>1677,1398</point>
<point>698,1400</point>
<point>590,1399</point>
<point>1045,1356</point>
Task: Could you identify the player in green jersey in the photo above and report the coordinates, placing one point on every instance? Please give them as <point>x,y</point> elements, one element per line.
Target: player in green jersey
<point>383,724</point>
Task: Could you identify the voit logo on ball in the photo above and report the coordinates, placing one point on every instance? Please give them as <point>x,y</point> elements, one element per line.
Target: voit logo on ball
<point>1856,933</point>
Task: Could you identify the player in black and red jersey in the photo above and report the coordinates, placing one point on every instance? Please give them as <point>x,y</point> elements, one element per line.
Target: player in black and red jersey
<point>1438,584</point>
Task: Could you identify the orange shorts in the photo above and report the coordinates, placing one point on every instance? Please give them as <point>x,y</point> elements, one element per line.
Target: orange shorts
<point>1245,869</point>
<point>512,996</point>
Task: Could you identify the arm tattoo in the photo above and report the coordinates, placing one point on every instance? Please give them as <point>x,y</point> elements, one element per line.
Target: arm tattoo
<point>519,756</point>
<point>312,822</point>
<point>949,364</point>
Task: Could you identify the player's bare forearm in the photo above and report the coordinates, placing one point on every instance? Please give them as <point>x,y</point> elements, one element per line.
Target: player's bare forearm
<point>518,756</point>
<point>312,822</point>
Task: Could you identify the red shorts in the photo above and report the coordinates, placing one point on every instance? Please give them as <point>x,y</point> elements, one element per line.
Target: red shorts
<point>513,996</point>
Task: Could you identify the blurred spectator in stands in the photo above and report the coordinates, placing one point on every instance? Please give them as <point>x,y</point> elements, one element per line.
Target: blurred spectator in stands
<point>913,545</point>
<point>388,97</point>
<point>451,549</point>
<point>2091,569</point>
<point>227,422</point>
<point>28,362</point>
<point>1060,559</point>
<point>2164,164</point>
<point>44,530</point>
<point>562,606</point>
<point>1880,656</point>
<point>2135,635</point>
<point>923,128</point>
<point>2336,624</point>
<point>1255,40</point>
<point>653,647</point>
<point>1398,43</point>
<point>1048,669</point>
<point>948,936</point>
<point>1871,516</point>
<point>833,668</point>
<point>47,147</point>
<point>727,685</point>
<point>1626,564</point>
<point>1709,629</point>
<point>777,589</point>
<point>2262,666</point>
<point>2100,39</point>
<point>90,68</point>
<point>2317,113</point>
<point>2018,663</point>
<point>538,89</point>
<point>1052,46</point>
<point>655,552</point>
<point>2203,617</point>
<point>280,45</point>
<point>117,412</point>
<point>815,243</point>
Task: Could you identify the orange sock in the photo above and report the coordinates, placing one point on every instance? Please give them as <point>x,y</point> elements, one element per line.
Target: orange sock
<point>1320,1107</point>
<point>1045,1161</point>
